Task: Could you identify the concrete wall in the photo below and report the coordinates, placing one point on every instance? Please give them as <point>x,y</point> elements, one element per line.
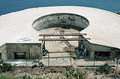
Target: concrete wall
<point>91,48</point>
<point>3,51</point>
<point>95,47</point>
<point>33,50</point>
<point>83,45</point>
<point>66,20</point>
<point>99,47</point>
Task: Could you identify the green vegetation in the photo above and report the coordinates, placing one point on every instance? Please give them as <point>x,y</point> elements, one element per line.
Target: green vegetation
<point>5,66</point>
<point>6,77</point>
<point>28,77</point>
<point>118,12</point>
<point>75,74</point>
<point>103,69</point>
<point>42,72</point>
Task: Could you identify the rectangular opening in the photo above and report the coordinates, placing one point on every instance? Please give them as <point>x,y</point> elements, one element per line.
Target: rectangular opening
<point>102,54</point>
<point>19,55</point>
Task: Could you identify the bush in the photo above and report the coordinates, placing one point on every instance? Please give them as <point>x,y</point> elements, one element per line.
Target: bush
<point>75,74</point>
<point>7,67</point>
<point>6,77</point>
<point>104,69</point>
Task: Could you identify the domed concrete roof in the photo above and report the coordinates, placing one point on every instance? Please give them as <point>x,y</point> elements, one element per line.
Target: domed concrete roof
<point>103,28</point>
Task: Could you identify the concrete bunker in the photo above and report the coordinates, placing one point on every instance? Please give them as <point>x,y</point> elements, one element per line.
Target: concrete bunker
<point>64,20</point>
<point>100,52</point>
<point>77,22</point>
<point>21,51</point>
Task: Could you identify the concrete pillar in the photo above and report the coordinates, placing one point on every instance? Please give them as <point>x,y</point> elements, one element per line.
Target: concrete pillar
<point>92,54</point>
<point>112,54</point>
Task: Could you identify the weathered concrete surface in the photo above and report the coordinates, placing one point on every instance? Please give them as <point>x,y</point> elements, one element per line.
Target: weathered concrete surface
<point>3,51</point>
<point>103,29</point>
<point>65,20</point>
<point>91,48</point>
<point>33,50</point>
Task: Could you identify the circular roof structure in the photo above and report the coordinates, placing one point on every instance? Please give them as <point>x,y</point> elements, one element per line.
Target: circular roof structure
<point>102,27</point>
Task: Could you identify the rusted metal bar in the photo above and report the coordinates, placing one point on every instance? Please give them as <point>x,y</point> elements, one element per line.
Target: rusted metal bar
<point>72,39</point>
<point>72,34</point>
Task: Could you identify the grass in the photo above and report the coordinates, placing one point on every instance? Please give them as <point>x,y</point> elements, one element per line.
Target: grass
<point>7,77</point>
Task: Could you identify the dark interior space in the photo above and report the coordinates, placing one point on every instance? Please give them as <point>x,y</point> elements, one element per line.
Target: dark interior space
<point>102,53</point>
<point>19,55</point>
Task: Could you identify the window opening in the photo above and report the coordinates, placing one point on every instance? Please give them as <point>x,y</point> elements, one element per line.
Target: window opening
<point>19,55</point>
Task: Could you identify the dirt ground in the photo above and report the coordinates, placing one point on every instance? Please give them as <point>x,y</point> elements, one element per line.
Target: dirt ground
<point>59,72</point>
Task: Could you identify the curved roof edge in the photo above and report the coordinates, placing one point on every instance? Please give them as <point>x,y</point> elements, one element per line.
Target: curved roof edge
<point>103,29</point>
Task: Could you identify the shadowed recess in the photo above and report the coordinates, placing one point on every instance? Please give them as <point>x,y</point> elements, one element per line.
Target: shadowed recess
<point>64,20</point>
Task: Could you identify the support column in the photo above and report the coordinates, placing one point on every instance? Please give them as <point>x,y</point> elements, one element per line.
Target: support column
<point>112,54</point>
<point>92,54</point>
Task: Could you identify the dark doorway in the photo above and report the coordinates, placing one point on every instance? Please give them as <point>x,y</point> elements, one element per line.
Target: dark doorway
<point>102,55</point>
<point>19,55</point>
